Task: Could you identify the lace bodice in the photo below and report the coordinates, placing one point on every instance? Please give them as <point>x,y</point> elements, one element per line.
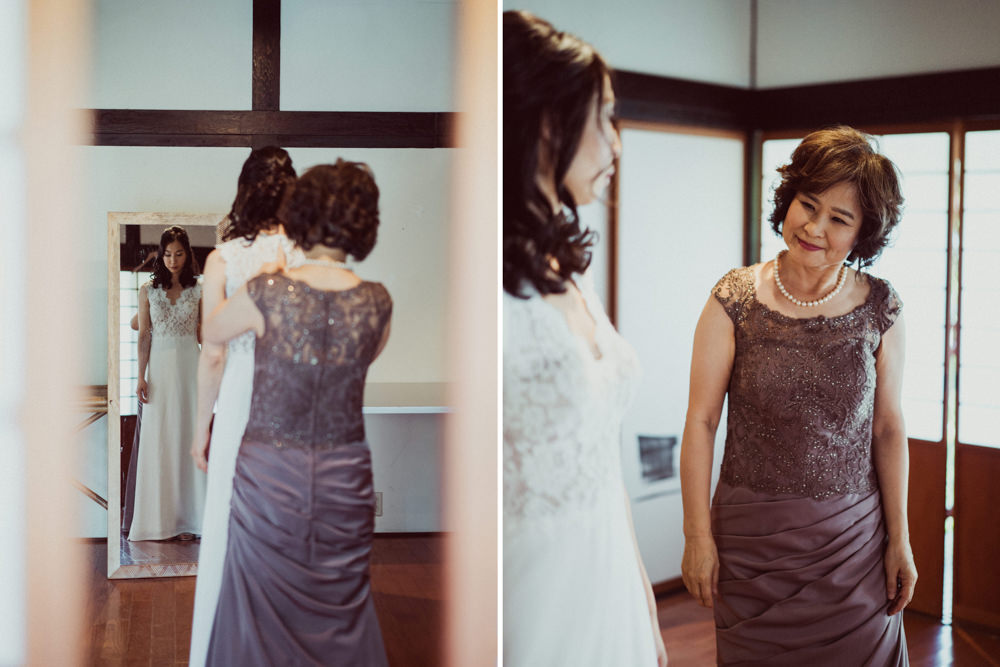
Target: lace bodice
<point>802,392</point>
<point>310,364</point>
<point>173,320</point>
<point>562,409</point>
<point>244,260</point>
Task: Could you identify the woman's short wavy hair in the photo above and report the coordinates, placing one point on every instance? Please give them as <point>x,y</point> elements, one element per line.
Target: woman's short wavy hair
<point>838,155</point>
<point>551,81</point>
<point>335,205</point>
<point>161,276</point>
<point>264,180</point>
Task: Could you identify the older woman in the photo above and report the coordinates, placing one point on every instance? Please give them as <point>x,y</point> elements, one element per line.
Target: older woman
<point>575,590</point>
<point>805,553</point>
<point>295,583</point>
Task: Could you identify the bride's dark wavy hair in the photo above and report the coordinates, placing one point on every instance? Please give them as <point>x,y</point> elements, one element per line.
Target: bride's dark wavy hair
<point>264,180</point>
<point>550,79</point>
<point>161,274</point>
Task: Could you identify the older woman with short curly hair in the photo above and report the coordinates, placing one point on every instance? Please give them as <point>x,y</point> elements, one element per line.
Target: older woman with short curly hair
<point>805,552</point>
<point>295,585</point>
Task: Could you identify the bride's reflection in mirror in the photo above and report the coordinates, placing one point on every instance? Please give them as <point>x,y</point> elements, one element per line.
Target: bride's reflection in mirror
<point>169,492</point>
<point>159,519</point>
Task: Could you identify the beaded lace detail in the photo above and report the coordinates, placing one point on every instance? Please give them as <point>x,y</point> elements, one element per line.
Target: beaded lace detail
<point>802,392</point>
<point>173,320</point>
<point>244,260</point>
<point>310,365</point>
<point>562,409</point>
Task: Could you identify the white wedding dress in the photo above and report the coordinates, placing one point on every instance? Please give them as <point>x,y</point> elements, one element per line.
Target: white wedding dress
<point>232,408</point>
<point>573,592</point>
<point>169,488</point>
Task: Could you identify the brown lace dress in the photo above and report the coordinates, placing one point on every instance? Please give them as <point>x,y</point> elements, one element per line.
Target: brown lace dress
<point>295,584</point>
<point>797,515</point>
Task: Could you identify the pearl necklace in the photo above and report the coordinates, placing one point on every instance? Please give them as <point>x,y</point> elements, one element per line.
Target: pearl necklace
<point>841,279</point>
<point>331,263</point>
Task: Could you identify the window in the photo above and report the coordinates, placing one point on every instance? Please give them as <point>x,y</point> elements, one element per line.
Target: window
<point>128,369</point>
<point>979,366</point>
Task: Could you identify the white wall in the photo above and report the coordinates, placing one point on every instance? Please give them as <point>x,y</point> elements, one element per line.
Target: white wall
<point>382,55</point>
<point>701,40</point>
<point>680,229</point>
<point>816,41</point>
<point>367,55</point>
<point>800,42</point>
<point>13,334</point>
<point>182,54</point>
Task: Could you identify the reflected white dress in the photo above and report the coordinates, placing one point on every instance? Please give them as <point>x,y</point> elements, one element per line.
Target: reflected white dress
<point>573,592</point>
<point>169,488</point>
<point>232,408</point>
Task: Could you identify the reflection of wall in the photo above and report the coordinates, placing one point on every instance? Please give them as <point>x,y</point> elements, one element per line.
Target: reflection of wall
<point>680,230</point>
<point>702,40</point>
<point>394,55</point>
<point>801,42</point>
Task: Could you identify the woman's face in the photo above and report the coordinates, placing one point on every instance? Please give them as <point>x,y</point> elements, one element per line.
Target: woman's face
<point>174,257</point>
<point>594,163</point>
<point>821,229</point>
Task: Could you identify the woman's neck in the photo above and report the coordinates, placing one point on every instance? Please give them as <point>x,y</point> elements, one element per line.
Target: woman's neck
<point>322,252</point>
<point>804,280</point>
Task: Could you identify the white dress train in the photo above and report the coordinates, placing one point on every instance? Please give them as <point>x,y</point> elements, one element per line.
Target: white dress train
<point>573,592</point>
<point>169,488</point>
<point>232,408</point>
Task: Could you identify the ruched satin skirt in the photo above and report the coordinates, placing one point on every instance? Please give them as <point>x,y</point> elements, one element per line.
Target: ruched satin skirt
<point>802,581</point>
<point>295,585</point>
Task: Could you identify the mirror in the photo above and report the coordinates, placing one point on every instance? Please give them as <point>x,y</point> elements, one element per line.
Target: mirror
<point>137,234</point>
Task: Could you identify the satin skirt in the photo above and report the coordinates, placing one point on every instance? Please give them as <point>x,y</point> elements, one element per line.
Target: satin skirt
<point>295,584</point>
<point>802,581</point>
<point>231,412</point>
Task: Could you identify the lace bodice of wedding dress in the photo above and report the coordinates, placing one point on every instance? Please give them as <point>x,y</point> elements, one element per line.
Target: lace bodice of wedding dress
<point>177,319</point>
<point>562,409</point>
<point>244,260</point>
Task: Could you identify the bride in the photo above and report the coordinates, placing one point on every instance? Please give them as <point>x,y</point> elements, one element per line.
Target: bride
<point>252,239</point>
<point>575,589</point>
<point>169,490</point>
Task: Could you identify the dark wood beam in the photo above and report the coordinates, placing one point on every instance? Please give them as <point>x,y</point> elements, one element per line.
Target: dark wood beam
<point>922,98</point>
<point>971,95</point>
<point>266,55</point>
<point>321,129</point>
<point>659,99</point>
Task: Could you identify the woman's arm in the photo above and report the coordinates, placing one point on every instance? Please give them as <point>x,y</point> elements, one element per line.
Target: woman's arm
<point>233,316</point>
<point>711,367</point>
<point>892,463</point>
<point>145,340</point>
<point>661,650</point>
<point>212,360</point>
<point>385,339</point>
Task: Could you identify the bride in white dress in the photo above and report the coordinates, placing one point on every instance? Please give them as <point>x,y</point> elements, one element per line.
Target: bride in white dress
<point>252,240</point>
<point>169,490</point>
<point>575,590</point>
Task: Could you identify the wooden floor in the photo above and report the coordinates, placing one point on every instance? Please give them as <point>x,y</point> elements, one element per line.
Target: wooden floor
<point>689,634</point>
<point>148,621</point>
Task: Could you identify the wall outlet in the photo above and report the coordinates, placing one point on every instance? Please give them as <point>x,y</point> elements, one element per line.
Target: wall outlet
<point>378,503</point>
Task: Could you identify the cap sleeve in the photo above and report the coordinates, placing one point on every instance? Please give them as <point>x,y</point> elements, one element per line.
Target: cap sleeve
<point>733,290</point>
<point>888,305</point>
